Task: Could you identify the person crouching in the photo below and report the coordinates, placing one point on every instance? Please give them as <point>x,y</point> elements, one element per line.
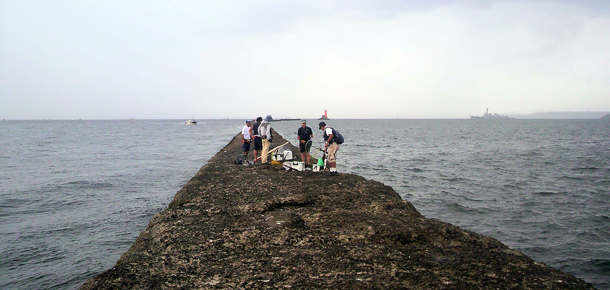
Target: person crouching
<point>331,148</point>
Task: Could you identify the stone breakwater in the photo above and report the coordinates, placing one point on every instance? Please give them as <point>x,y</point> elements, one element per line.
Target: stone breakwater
<point>239,227</point>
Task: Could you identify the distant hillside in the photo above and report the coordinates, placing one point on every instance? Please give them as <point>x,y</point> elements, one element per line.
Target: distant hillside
<point>606,117</point>
<point>563,115</point>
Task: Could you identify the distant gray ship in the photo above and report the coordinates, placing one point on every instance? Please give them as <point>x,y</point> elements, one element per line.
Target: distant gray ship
<point>489,115</point>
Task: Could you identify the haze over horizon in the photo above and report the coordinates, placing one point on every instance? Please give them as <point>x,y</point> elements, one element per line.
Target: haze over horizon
<point>358,59</point>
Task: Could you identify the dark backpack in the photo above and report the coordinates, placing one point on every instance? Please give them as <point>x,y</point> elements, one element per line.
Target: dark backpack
<point>337,137</point>
<point>240,158</point>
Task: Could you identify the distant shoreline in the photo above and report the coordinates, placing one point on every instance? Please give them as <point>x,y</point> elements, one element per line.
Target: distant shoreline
<point>562,115</point>
<point>544,115</point>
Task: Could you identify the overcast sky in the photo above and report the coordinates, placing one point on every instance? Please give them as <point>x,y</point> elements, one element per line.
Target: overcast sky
<point>359,59</point>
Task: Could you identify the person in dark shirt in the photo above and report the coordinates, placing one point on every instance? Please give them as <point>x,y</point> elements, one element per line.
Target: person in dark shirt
<point>258,142</point>
<point>305,136</point>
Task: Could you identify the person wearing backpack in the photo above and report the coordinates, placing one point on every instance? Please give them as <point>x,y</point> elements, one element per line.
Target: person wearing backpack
<point>332,140</point>
<point>264,130</point>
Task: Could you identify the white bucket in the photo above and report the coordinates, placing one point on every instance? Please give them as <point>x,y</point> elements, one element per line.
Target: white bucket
<point>294,165</point>
<point>282,156</point>
<point>277,156</point>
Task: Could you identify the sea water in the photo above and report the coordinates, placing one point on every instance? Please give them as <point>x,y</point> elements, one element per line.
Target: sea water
<point>74,195</point>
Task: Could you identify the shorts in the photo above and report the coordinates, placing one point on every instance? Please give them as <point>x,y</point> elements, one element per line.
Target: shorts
<point>305,147</point>
<point>331,153</point>
<point>258,144</point>
<point>245,147</point>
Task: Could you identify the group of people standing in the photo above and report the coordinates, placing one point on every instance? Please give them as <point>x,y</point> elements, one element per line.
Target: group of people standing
<point>260,134</point>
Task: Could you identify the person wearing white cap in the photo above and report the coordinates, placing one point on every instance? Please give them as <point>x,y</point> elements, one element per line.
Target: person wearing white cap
<point>264,130</point>
<point>305,135</point>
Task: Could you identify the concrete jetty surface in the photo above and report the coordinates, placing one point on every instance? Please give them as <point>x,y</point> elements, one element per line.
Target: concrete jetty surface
<point>261,227</point>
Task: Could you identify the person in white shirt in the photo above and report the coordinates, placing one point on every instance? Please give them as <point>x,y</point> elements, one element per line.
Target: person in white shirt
<point>246,138</point>
<point>331,148</point>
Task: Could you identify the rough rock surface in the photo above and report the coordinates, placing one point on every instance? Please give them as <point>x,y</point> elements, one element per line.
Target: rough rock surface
<point>237,227</point>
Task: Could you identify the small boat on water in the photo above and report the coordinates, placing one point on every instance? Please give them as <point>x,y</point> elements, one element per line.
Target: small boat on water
<point>192,121</point>
<point>489,115</point>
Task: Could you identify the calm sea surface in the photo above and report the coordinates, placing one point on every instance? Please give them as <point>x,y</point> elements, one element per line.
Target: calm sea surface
<point>74,195</point>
